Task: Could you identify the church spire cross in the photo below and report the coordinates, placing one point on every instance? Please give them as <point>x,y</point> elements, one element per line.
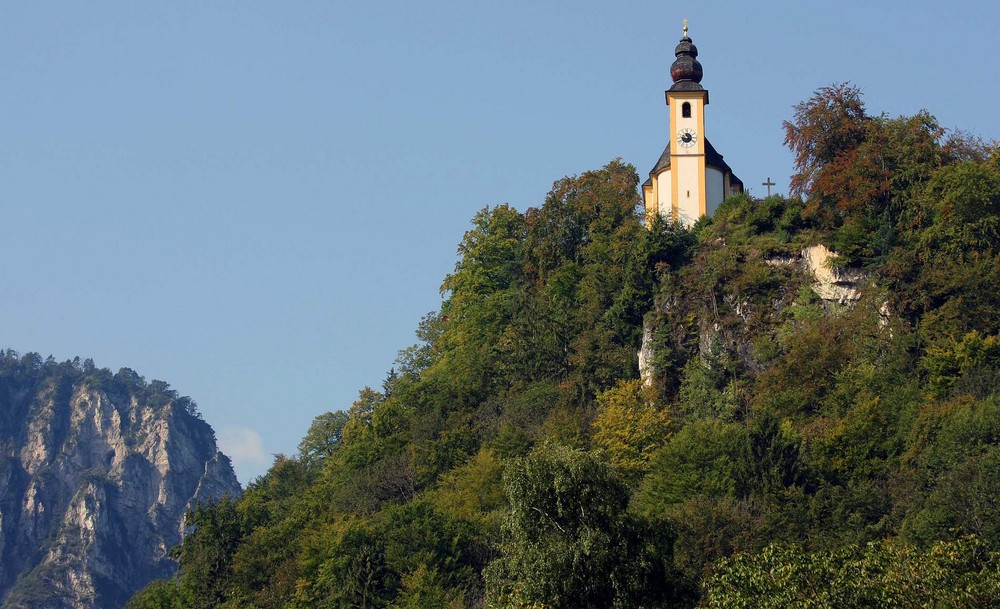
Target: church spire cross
<point>685,27</point>
<point>769,184</point>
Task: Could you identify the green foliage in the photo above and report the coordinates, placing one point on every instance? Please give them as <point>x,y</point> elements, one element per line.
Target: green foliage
<point>964,210</point>
<point>323,437</point>
<point>481,287</point>
<point>700,459</point>
<point>344,565</point>
<point>962,501</point>
<point>663,246</point>
<point>161,594</point>
<point>744,219</point>
<point>412,553</point>
<point>215,534</point>
<point>422,589</point>
<point>972,355</point>
<point>566,534</point>
<point>884,574</point>
<point>703,393</point>
<point>473,492</point>
<point>798,380</point>
<point>950,471</point>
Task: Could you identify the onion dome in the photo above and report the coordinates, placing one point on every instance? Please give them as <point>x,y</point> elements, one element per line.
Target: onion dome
<point>686,72</point>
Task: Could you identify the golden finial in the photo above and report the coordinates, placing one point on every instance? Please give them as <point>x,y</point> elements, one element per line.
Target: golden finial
<point>685,27</point>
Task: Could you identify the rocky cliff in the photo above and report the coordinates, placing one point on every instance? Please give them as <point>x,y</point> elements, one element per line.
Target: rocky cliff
<point>96,473</point>
<point>835,287</point>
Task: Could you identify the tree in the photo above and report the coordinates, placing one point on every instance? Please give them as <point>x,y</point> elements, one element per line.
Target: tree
<point>578,245</point>
<point>665,245</point>
<point>629,427</point>
<point>489,266</point>
<point>416,358</point>
<point>962,203</point>
<point>481,297</point>
<point>344,566</point>
<point>700,459</point>
<point>569,528</point>
<point>215,532</point>
<point>824,137</point>
<point>422,589</point>
<point>858,173</point>
<point>489,252</point>
<point>323,437</point>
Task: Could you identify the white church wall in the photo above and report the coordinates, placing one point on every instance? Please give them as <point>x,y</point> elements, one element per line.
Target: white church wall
<point>688,191</point>
<point>663,194</point>
<point>715,189</point>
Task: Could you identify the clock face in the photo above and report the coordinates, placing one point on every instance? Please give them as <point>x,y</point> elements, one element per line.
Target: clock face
<point>686,138</point>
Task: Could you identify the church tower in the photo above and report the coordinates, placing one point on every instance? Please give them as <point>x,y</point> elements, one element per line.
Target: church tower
<point>690,179</point>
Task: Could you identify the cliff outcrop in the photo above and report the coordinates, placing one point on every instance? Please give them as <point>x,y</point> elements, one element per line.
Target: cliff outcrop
<point>97,473</point>
<point>730,318</point>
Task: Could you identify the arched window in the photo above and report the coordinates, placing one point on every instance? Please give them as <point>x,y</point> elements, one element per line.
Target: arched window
<point>686,110</point>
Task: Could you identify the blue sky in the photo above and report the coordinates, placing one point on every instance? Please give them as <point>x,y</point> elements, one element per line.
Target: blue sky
<point>257,201</point>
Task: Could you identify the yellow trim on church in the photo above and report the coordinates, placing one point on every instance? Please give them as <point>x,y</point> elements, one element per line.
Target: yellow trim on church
<point>692,193</point>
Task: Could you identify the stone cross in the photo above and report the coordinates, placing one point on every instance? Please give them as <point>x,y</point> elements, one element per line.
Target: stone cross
<point>769,184</point>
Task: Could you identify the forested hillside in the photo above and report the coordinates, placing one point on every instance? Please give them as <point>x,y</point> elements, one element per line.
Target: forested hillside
<point>794,446</point>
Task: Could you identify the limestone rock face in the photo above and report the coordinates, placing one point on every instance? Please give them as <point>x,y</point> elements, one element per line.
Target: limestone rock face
<point>646,369</point>
<point>837,287</point>
<point>96,474</point>
<point>833,284</point>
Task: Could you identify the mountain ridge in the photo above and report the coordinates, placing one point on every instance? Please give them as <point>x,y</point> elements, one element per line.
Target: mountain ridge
<point>99,471</point>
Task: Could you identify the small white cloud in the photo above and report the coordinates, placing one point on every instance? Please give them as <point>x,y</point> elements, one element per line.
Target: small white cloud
<point>246,449</point>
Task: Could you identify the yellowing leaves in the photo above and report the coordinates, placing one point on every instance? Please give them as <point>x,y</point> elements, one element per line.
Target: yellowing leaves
<point>629,427</point>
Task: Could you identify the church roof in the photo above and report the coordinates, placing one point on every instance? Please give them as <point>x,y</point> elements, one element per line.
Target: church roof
<point>712,159</point>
